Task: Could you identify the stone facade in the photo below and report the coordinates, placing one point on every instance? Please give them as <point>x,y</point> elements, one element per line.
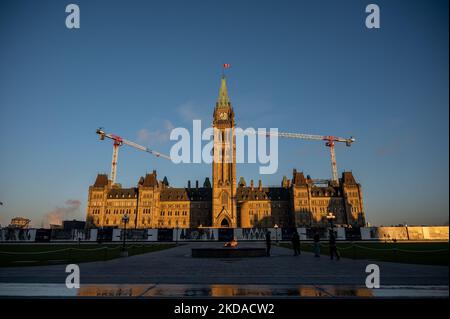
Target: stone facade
<point>298,202</point>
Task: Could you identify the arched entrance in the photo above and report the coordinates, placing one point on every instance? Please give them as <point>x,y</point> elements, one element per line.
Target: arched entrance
<point>224,223</point>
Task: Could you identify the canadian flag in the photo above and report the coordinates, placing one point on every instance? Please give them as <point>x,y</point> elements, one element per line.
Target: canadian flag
<point>226,65</point>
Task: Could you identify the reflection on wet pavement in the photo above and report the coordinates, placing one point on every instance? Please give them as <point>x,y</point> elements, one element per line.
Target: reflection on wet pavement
<point>205,291</point>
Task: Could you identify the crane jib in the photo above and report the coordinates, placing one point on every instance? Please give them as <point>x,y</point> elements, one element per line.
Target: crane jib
<point>330,140</point>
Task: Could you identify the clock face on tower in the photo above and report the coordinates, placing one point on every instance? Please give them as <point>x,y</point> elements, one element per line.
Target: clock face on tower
<point>223,115</point>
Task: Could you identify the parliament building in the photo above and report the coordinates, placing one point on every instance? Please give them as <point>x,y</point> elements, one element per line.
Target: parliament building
<point>225,202</point>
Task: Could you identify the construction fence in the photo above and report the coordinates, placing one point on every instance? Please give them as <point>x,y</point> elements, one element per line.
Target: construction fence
<point>386,234</point>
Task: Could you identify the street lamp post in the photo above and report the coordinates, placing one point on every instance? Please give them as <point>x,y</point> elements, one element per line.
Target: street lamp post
<point>125,220</point>
<point>330,218</point>
<point>276,233</point>
<point>176,238</point>
<point>1,204</point>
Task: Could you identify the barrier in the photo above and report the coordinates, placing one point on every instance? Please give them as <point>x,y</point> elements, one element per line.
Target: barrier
<point>131,235</point>
<point>12,234</point>
<point>403,233</point>
<point>70,235</point>
<point>200,234</point>
<point>387,234</point>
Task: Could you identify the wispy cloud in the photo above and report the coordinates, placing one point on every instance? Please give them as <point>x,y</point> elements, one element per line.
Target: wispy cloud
<point>160,133</point>
<point>189,111</point>
<point>157,136</point>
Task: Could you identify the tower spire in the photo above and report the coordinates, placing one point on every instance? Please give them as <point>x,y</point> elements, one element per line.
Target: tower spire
<point>223,100</point>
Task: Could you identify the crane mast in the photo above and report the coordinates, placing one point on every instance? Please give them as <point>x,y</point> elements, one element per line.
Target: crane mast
<point>115,155</point>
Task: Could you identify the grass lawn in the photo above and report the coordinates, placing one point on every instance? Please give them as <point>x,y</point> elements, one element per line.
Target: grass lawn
<point>410,253</point>
<point>50,254</point>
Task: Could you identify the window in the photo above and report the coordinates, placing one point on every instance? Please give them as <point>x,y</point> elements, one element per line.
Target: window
<point>224,198</point>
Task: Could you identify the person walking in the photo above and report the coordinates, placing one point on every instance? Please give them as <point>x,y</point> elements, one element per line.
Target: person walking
<point>316,239</point>
<point>268,243</point>
<point>296,243</point>
<point>333,247</point>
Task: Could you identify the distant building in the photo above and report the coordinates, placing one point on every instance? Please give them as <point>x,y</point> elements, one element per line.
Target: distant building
<point>19,222</point>
<point>225,202</point>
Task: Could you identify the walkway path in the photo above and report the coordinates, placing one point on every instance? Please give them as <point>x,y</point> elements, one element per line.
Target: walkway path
<point>176,266</point>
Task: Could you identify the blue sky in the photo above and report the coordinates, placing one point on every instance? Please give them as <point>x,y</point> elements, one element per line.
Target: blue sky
<point>138,68</point>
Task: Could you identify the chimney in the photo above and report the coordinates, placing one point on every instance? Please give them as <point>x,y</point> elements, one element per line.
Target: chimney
<point>189,184</point>
<point>260,185</point>
<point>196,184</point>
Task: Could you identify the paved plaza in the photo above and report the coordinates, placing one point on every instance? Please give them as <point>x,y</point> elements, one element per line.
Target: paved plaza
<point>176,266</point>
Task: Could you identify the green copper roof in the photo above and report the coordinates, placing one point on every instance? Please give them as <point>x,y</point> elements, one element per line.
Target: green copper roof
<point>223,100</point>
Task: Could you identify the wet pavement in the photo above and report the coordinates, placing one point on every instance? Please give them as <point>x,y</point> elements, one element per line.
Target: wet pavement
<point>211,291</point>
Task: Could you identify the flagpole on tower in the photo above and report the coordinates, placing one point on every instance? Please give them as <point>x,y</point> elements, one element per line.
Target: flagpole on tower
<point>225,66</point>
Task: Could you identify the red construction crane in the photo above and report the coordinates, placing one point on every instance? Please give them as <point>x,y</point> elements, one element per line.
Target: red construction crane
<point>119,141</point>
<point>329,142</point>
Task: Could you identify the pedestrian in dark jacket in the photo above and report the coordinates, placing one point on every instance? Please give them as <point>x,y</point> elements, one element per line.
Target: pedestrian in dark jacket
<point>296,243</point>
<point>333,247</point>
